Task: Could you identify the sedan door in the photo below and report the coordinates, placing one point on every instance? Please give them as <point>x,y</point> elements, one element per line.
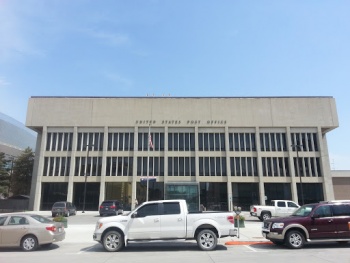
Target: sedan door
<point>145,223</point>
<point>14,230</point>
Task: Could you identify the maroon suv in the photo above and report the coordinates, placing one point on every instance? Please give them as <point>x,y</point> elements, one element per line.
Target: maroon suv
<point>320,222</point>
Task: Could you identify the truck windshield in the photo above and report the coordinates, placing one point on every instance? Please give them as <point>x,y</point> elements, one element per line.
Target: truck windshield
<point>304,211</point>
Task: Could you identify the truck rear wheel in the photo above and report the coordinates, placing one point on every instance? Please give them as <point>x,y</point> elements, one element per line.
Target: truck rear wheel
<point>265,216</point>
<point>113,241</point>
<point>207,240</point>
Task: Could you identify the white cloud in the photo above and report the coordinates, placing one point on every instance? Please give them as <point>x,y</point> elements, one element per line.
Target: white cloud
<point>4,82</point>
<point>114,39</point>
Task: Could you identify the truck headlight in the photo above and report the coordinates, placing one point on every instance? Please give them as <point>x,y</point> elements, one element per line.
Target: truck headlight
<point>98,225</point>
<point>277,225</point>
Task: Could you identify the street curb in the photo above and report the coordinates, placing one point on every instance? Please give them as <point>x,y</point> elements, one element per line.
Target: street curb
<point>238,243</point>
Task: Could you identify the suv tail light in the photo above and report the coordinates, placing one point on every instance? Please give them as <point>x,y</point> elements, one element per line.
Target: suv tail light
<point>231,219</point>
<point>51,228</point>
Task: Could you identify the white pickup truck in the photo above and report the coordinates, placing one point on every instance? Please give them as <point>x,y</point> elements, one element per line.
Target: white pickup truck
<point>277,208</point>
<point>164,220</point>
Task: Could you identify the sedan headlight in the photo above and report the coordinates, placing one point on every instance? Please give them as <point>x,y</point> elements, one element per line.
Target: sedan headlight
<point>277,225</point>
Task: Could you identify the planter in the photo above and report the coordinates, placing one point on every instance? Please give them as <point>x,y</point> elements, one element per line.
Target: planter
<point>240,222</point>
<point>62,220</point>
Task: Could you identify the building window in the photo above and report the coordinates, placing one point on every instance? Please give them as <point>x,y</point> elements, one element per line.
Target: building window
<point>243,166</point>
<point>307,142</point>
<point>275,166</point>
<point>273,142</point>
<point>91,166</point>
<point>212,166</point>
<point>157,139</point>
<point>181,166</point>
<point>90,139</point>
<point>211,141</point>
<point>56,166</point>
<point>308,167</point>
<point>242,142</point>
<point>155,168</point>
<point>59,141</point>
<point>120,141</point>
<point>181,141</point>
<point>119,166</point>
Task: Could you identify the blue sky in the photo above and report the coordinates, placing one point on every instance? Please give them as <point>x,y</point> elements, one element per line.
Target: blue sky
<point>177,47</point>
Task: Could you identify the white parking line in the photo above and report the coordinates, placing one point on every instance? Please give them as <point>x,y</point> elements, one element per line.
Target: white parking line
<point>84,251</point>
<point>254,250</point>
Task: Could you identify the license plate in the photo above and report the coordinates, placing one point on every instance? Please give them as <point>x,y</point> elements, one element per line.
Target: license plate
<point>59,229</point>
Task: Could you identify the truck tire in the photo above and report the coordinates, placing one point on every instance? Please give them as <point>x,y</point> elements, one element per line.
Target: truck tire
<point>265,216</point>
<point>295,239</point>
<point>113,241</point>
<point>207,240</point>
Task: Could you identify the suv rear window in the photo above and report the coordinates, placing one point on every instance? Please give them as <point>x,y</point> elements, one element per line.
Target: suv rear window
<point>341,210</point>
<point>59,205</point>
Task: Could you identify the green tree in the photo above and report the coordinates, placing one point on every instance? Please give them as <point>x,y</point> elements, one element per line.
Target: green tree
<point>22,173</point>
<point>4,175</point>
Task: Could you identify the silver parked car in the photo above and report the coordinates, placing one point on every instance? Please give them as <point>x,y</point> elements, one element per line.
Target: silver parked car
<point>63,208</point>
<point>29,231</point>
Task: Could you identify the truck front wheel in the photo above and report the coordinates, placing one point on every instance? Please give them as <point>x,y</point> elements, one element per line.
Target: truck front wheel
<point>113,241</point>
<point>207,240</point>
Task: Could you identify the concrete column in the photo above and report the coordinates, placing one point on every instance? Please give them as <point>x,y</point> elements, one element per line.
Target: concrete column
<point>35,193</point>
<point>72,166</point>
<point>104,164</point>
<point>260,168</point>
<point>134,175</point>
<point>291,154</point>
<point>228,170</point>
<point>328,192</point>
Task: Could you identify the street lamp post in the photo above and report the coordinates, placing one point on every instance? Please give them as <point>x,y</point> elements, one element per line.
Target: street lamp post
<point>86,170</point>
<point>298,172</point>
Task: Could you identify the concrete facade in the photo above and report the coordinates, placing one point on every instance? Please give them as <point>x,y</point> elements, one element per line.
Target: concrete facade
<point>293,118</point>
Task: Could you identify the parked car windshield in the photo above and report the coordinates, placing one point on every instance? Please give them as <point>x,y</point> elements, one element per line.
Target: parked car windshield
<point>41,219</point>
<point>305,210</point>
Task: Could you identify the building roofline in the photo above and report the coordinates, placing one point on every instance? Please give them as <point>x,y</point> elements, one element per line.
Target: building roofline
<point>180,97</point>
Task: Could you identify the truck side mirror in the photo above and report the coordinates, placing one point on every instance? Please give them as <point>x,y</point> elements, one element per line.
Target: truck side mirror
<point>134,215</point>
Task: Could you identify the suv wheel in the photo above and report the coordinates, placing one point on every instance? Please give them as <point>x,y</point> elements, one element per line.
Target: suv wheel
<point>295,239</point>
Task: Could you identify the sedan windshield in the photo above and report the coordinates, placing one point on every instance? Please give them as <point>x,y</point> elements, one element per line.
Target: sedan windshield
<point>305,210</point>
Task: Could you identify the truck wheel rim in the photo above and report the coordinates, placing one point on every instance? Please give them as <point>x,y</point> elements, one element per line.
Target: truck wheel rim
<point>207,240</point>
<point>112,241</point>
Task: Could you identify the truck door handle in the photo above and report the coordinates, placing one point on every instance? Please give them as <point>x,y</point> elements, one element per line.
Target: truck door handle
<point>156,220</point>
<point>179,219</point>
